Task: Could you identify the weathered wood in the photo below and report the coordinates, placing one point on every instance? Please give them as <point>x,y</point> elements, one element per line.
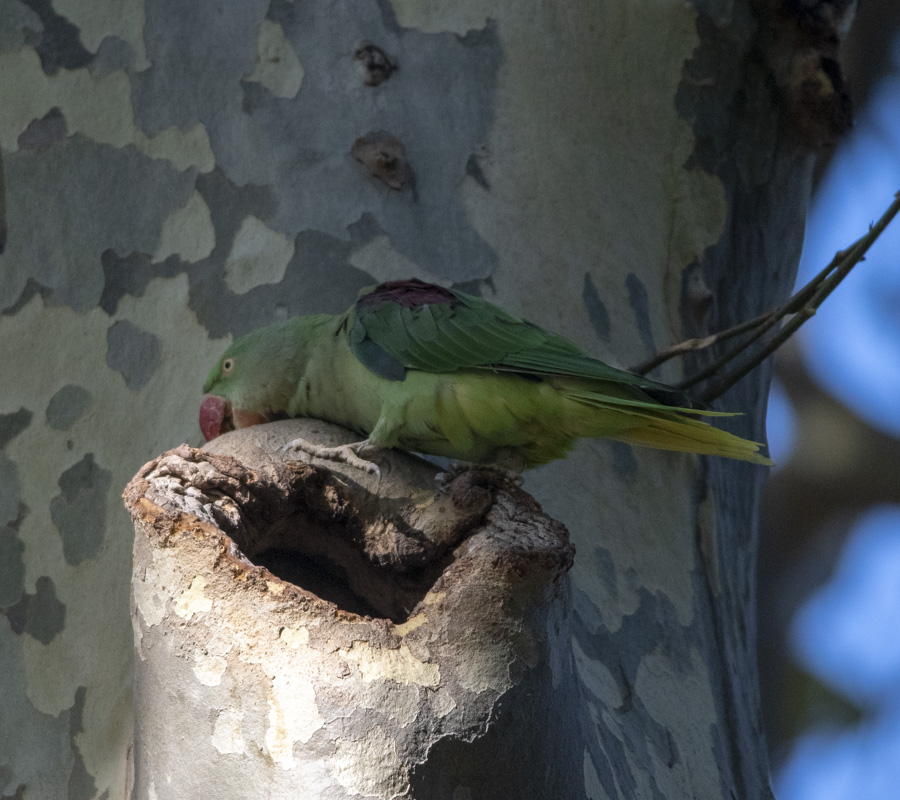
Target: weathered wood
<point>297,632</point>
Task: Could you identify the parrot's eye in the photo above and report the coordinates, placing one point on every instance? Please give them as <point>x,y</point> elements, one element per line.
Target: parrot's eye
<point>227,366</point>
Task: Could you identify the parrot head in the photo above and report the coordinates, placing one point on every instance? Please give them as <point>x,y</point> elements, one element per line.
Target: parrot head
<point>240,389</point>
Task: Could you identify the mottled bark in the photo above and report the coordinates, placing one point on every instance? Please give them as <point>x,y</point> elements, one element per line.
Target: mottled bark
<point>177,174</point>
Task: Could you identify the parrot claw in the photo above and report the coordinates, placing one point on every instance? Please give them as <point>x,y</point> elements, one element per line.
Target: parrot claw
<point>346,453</point>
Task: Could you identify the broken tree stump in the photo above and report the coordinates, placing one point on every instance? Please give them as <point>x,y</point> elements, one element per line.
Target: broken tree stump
<point>304,630</point>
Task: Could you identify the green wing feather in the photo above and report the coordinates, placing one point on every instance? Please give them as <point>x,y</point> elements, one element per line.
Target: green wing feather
<point>471,333</point>
<point>410,325</point>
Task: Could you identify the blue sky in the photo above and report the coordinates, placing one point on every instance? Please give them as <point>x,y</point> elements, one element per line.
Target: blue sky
<point>780,424</point>
<point>852,347</point>
<point>848,633</point>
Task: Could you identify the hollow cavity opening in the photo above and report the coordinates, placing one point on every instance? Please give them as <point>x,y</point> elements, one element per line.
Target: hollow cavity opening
<point>329,561</point>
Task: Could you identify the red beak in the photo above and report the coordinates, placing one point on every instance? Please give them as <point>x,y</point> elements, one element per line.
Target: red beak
<point>215,417</point>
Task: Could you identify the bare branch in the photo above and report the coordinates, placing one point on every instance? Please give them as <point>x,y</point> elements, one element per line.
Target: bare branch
<point>802,305</point>
<point>691,345</point>
<point>818,292</point>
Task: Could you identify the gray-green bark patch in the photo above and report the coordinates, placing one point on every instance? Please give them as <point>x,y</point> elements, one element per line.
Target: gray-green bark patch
<point>133,352</point>
<point>59,46</point>
<point>632,730</point>
<point>637,297</point>
<point>67,406</point>
<point>17,23</point>
<point>79,511</point>
<point>12,565</point>
<point>318,278</point>
<point>61,232</point>
<point>130,274</point>
<point>195,75</point>
<point>40,615</point>
<point>624,461</point>
<point>319,185</point>
<point>113,54</point>
<point>43,132</point>
<point>11,425</point>
<point>597,312</point>
<point>81,782</point>
<point>10,490</point>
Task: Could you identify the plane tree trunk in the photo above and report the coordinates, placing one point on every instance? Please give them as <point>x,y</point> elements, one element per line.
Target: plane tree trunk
<point>625,176</point>
<point>622,175</point>
<point>627,173</point>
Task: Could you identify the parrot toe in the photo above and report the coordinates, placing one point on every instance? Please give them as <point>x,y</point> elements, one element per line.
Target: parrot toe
<point>346,453</point>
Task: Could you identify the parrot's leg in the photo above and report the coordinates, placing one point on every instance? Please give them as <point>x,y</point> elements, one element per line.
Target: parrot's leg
<point>346,453</point>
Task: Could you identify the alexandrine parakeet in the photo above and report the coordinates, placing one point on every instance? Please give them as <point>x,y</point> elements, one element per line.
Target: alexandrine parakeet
<point>436,370</point>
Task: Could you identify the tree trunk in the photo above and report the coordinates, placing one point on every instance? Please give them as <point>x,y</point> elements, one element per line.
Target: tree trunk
<point>625,173</point>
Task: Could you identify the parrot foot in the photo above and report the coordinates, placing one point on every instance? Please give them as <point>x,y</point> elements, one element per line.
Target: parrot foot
<point>346,453</point>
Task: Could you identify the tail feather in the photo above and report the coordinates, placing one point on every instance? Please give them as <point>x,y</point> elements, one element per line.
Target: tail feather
<point>604,401</point>
<point>691,436</point>
<point>669,429</point>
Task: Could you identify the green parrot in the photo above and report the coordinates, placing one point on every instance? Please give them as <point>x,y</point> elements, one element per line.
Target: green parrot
<point>439,371</point>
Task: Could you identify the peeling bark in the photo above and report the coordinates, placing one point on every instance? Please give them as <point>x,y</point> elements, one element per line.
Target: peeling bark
<point>303,629</point>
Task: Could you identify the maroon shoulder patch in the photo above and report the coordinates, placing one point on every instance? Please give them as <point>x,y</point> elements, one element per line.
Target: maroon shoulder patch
<point>410,293</point>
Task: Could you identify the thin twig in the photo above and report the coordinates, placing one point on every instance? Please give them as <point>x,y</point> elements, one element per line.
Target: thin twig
<point>766,323</point>
<point>690,345</point>
<point>802,305</point>
<point>810,296</point>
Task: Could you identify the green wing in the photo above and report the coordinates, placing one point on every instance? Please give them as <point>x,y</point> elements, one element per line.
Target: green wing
<point>413,325</point>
